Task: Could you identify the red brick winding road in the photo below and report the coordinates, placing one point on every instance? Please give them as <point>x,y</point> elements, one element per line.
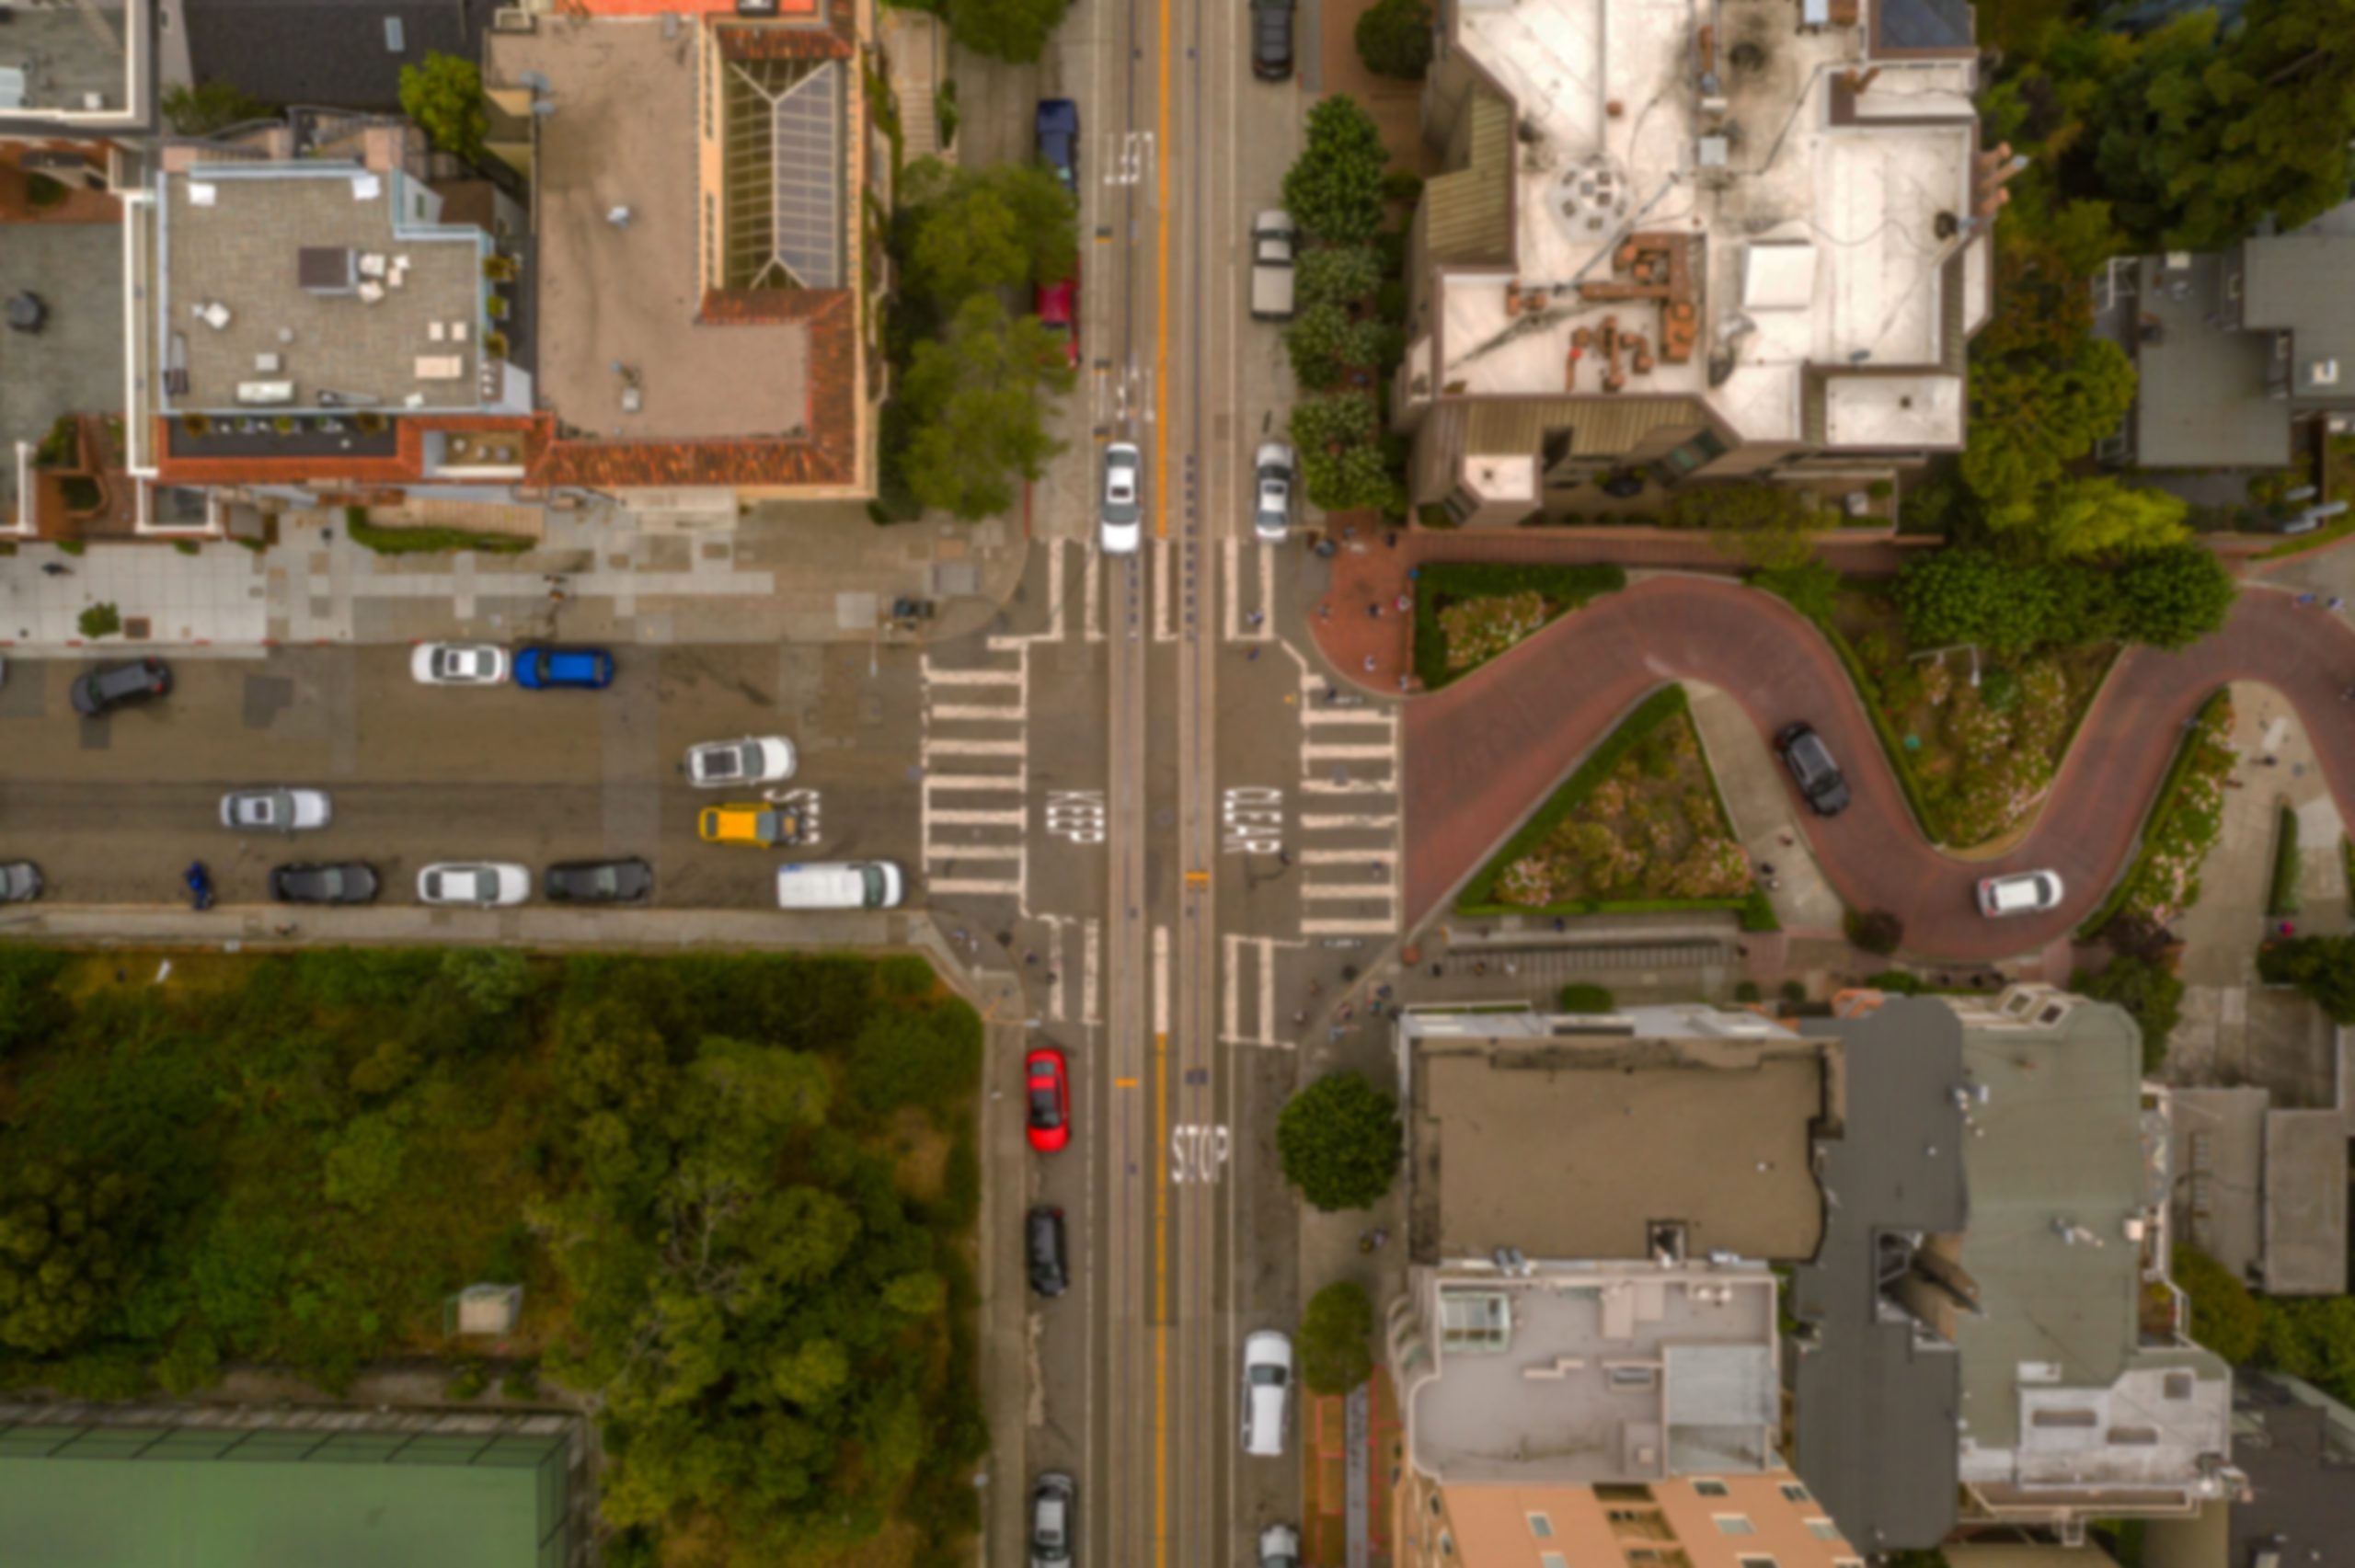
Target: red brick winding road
<point>1482,753</point>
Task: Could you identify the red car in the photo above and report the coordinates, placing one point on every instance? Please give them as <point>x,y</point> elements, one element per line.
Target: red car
<point>1049,1099</point>
<point>1057,308</point>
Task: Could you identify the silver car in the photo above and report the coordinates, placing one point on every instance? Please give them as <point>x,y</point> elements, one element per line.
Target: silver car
<point>718,764</point>
<point>1051,1499</point>
<point>1123,498</point>
<point>1279,1546</point>
<point>274,810</point>
<point>483,884</point>
<point>19,881</point>
<point>1271,493</point>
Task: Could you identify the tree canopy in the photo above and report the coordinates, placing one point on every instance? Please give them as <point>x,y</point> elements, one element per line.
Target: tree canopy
<point>443,94</point>
<point>1012,30</point>
<point>1340,1141</point>
<point>2032,414</point>
<point>1003,227</point>
<point>2225,1316</point>
<point>977,402</point>
<point>2103,520</point>
<point>2322,967</point>
<point>1334,189</point>
<point>1337,1339</point>
<point>1393,38</point>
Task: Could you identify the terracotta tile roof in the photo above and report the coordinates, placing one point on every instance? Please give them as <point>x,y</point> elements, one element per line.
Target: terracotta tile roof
<point>838,40</point>
<point>827,455</point>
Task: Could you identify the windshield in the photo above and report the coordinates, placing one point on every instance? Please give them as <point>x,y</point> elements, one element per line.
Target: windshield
<point>871,878</point>
<point>1267,1377</point>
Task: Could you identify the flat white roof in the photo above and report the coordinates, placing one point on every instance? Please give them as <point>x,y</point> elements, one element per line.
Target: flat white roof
<point>1893,410</point>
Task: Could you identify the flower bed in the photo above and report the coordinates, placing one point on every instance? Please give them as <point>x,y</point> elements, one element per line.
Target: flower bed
<point>1467,612</point>
<point>2162,879</point>
<point>1639,824</point>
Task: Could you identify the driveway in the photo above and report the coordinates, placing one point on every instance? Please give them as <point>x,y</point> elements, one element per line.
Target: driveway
<point>1483,752</point>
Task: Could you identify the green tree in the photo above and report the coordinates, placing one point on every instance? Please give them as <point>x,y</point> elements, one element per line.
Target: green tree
<point>1334,420</point>
<point>1318,339</point>
<point>1393,38</point>
<point>2145,988</point>
<point>1961,596</point>
<point>1580,998</point>
<point>360,1162</point>
<point>2225,1316</point>
<point>2312,1338</point>
<point>977,404</point>
<point>443,96</point>
<point>1340,1141</point>
<point>1334,189</point>
<point>492,980</point>
<point>1810,587</point>
<point>65,1246</point>
<point>209,107</point>
<point>929,1057</point>
<point>2090,519</point>
<point>1007,225</point>
<point>2174,597</point>
<point>30,1009</point>
<point>2322,967</point>
<point>1012,31</point>
<point>1337,1339</point>
<point>1336,274</point>
<point>2033,414</point>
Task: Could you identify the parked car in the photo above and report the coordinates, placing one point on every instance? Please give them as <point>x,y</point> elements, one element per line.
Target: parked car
<point>141,681</point>
<point>1272,242</point>
<point>1057,307</point>
<point>274,810</point>
<point>549,669</point>
<point>2021,893</point>
<point>1042,1232</point>
<point>483,884</point>
<point>1812,769</point>
<point>20,882</point>
<point>1279,1546</point>
<point>1058,129</point>
<point>1271,505</point>
<point>1052,1524</point>
<point>1123,506</point>
<point>716,764</point>
<point>458,664</point>
<point>598,882</point>
<point>839,885</point>
<point>344,882</point>
<point>1266,1378</point>
<point>1047,1081</point>
<point>748,822</point>
<point>1271,40</point>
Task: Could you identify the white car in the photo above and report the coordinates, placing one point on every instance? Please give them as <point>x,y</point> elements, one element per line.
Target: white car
<point>1279,1546</point>
<point>1266,1383</point>
<point>458,664</point>
<point>1123,498</point>
<point>275,810</point>
<point>718,764</point>
<point>2021,893</point>
<point>1271,493</point>
<point>481,884</point>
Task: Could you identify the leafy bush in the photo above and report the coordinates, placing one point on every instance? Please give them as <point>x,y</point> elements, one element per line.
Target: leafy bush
<point>1393,38</point>
<point>1336,275</point>
<point>1874,930</point>
<point>1319,341</point>
<point>926,1057</point>
<point>429,541</point>
<point>2313,1338</point>
<point>1334,189</point>
<point>1441,584</point>
<point>1337,1339</point>
<point>1586,998</point>
<point>1812,587</point>
<point>1900,982</point>
<point>1745,990</point>
<point>2322,967</point>
<point>1340,1141</point>
<point>2144,987</point>
<point>2225,1316</point>
<point>30,1007</point>
<point>99,621</point>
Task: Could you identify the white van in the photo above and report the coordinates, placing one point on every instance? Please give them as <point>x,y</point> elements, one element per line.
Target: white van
<point>838,885</point>
<point>1266,1383</point>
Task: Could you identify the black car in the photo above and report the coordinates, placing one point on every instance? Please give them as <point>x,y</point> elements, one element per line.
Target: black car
<point>141,681</point>
<point>1812,769</point>
<point>1043,1231</point>
<point>1271,40</point>
<point>598,882</point>
<point>346,882</point>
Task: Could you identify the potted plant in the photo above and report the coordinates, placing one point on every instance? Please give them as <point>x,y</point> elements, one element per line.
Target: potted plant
<point>197,425</point>
<point>369,422</point>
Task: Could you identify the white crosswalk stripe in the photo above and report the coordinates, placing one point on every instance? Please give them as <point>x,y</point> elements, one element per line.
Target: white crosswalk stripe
<point>974,803</point>
<point>1348,856</point>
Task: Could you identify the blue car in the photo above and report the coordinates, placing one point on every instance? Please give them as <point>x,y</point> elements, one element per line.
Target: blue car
<point>1058,141</point>
<point>547,669</point>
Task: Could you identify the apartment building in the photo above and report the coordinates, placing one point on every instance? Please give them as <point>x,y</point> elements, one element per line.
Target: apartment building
<point>1731,1521</point>
<point>1738,237</point>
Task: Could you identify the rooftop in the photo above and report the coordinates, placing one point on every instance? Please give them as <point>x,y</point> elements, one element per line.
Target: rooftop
<point>1572,1138</point>
<point>1582,1373</point>
<point>1716,245</point>
<point>2201,400</point>
<point>83,62</point>
<point>298,286</point>
<point>74,365</point>
<point>344,53</point>
<point>2297,283</point>
<point>622,304</point>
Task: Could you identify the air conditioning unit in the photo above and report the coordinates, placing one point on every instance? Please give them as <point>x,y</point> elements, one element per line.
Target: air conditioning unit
<point>513,19</point>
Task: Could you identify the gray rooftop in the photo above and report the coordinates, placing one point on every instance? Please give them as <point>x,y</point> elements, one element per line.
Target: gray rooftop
<point>2298,283</point>
<point>262,241</point>
<point>1600,1374</point>
<point>69,60</point>
<point>2201,400</point>
<point>74,365</point>
<point>1876,1394</point>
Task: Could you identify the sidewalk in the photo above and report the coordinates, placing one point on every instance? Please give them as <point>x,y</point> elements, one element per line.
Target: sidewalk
<point>234,927</point>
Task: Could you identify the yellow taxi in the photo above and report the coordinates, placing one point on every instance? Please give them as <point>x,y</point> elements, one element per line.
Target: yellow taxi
<point>751,823</point>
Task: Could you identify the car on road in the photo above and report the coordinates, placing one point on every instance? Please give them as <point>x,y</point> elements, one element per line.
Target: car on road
<point>1123,505</point>
<point>1267,1383</point>
<point>1057,307</point>
<point>1047,1089</point>
<point>1271,40</point>
<point>458,664</point>
<point>1279,1546</point>
<point>748,822</point>
<point>1271,505</point>
<point>839,885</point>
<point>274,810</point>
<point>19,881</point>
<point>2020,893</point>
<point>482,884</point>
<point>598,882</point>
<point>344,882</point>
<point>141,681</point>
<point>1042,1231</point>
<point>1273,239</point>
<point>717,764</point>
<point>1058,133</point>
<point>555,668</point>
<point>1812,769</point>
<point>1052,1499</point>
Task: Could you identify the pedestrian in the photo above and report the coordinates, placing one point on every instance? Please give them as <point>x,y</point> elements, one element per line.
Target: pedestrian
<point>2270,761</point>
<point>1252,656</point>
<point>1511,967</point>
<point>1373,611</point>
<point>1316,988</point>
<point>1766,866</point>
<point>1414,573</point>
<point>1324,611</point>
<point>1030,957</point>
<point>1786,839</point>
<point>1437,969</point>
<point>1391,538</point>
<point>2335,603</point>
<point>1049,976</point>
<point>1379,868</point>
<point>1349,531</point>
<point>1298,1019</point>
<point>1773,885</point>
<point>56,569</point>
<point>1560,924</point>
<point>1404,683</point>
<point>1284,857</point>
<point>2309,598</point>
<point>1479,966</point>
<point>1348,1010</point>
<point>1369,664</point>
<point>1383,991</point>
<point>1406,602</point>
<point>2289,929</point>
<point>1741,950</point>
<point>1256,619</point>
<point>1333,693</point>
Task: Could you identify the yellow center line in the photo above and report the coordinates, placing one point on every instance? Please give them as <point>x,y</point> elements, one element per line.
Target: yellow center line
<point>1160,1302</point>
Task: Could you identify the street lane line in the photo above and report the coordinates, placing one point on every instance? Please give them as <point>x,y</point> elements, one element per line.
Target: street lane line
<point>1230,551</point>
<point>1347,787</point>
<point>1311,712</point>
<point>1347,928</point>
<point>1163,631</point>
<point>1346,751</point>
<point>984,677</point>
<point>1330,891</point>
<point>1091,937</point>
<point>972,851</point>
<point>981,819</point>
<point>1092,592</point>
<point>952,712</point>
<point>1316,824</point>
<point>979,889</point>
<point>1267,991</point>
<point>1015,782</point>
<point>1366,857</point>
<point>972,748</point>
<point>1161,980</point>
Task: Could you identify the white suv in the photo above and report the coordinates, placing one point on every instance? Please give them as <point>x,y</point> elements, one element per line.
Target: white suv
<point>718,764</point>
<point>482,884</point>
<point>1267,1381</point>
<point>1123,498</point>
<point>1271,494</point>
<point>2022,893</point>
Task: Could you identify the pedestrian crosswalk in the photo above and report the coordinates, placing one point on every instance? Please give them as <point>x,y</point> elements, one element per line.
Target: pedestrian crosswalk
<point>1350,829</point>
<point>976,773</point>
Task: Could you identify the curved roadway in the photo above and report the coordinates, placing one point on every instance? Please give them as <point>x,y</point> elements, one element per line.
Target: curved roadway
<point>1481,754</point>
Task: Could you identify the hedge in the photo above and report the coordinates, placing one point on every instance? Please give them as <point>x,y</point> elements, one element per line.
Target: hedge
<point>1565,587</point>
<point>2283,898</point>
<point>432,540</point>
<point>2161,804</point>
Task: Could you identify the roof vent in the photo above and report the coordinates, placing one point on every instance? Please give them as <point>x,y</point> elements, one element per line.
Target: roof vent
<point>2323,373</point>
